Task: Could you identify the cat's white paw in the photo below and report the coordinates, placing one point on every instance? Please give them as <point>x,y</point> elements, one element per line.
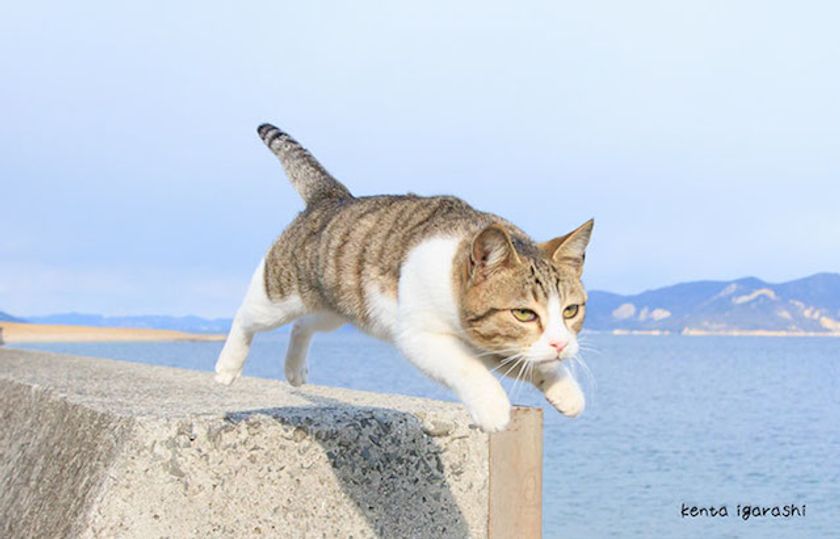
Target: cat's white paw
<point>492,418</point>
<point>491,410</point>
<point>296,375</point>
<point>230,363</point>
<point>566,397</point>
<point>227,377</point>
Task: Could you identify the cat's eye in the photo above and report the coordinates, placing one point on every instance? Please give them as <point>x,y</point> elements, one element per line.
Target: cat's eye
<point>571,311</point>
<point>524,315</point>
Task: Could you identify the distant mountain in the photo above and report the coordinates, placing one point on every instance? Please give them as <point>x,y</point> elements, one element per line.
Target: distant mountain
<point>5,317</point>
<point>190,324</point>
<point>809,305</point>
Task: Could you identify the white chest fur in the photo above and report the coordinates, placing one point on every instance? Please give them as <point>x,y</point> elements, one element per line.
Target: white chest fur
<point>426,292</point>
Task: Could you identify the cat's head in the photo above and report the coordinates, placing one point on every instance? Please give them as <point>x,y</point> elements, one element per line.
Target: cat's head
<point>521,298</point>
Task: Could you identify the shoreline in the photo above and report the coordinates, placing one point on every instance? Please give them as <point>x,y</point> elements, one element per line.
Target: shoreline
<point>18,332</point>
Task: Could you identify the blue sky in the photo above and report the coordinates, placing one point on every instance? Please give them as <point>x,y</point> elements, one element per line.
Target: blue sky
<point>702,136</point>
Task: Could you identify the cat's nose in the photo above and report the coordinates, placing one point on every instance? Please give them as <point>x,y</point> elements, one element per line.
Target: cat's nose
<point>558,345</point>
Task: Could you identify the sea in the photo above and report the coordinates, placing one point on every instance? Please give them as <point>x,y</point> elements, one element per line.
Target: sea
<point>682,436</point>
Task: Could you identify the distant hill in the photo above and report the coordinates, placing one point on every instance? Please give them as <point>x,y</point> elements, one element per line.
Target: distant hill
<point>809,305</point>
<point>5,317</point>
<point>190,324</point>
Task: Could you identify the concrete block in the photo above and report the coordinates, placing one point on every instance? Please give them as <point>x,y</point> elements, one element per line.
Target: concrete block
<point>101,448</point>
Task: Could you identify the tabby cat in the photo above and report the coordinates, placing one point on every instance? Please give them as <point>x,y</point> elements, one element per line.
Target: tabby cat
<point>461,293</point>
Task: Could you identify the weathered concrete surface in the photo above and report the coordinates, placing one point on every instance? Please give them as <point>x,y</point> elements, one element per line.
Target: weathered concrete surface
<point>99,448</point>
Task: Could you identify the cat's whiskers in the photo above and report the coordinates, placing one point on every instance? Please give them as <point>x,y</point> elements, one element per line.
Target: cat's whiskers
<point>585,345</point>
<point>531,368</point>
<point>515,360</point>
<point>524,376</point>
<point>504,362</point>
<point>502,352</point>
<point>589,350</point>
<point>519,365</point>
<point>518,359</point>
<point>576,360</point>
<point>579,360</point>
<point>520,376</point>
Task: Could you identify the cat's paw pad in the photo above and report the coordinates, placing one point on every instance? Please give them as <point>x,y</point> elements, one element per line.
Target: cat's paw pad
<point>568,399</point>
<point>296,377</point>
<point>227,377</point>
<point>492,413</point>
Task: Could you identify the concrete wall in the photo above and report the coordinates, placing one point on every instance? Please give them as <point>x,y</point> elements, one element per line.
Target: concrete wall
<point>99,448</point>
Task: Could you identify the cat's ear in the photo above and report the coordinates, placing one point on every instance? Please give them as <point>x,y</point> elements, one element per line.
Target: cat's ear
<point>570,250</point>
<point>491,250</point>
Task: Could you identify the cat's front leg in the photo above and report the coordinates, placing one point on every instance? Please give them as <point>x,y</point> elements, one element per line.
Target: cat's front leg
<point>560,388</point>
<point>446,359</point>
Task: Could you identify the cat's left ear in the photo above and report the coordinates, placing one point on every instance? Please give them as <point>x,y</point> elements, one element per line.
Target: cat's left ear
<point>491,250</point>
<point>570,250</point>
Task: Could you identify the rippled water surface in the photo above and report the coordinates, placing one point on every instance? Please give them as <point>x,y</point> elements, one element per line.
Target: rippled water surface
<point>670,420</point>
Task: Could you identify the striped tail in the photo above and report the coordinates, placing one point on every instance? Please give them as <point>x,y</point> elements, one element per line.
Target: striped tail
<point>308,177</point>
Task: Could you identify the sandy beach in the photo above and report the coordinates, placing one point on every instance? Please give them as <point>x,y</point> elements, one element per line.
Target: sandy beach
<point>14,332</point>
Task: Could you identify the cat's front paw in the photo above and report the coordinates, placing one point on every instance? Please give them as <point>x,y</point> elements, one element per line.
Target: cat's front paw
<point>567,397</point>
<point>296,375</point>
<point>227,377</point>
<point>228,367</point>
<point>490,411</point>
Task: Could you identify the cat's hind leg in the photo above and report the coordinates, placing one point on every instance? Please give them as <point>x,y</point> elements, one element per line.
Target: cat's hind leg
<point>302,332</point>
<point>257,313</point>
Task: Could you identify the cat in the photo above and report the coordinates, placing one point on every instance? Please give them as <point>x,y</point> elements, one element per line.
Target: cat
<point>460,292</point>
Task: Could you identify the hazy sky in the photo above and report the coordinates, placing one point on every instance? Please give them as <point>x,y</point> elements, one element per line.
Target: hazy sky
<point>704,137</point>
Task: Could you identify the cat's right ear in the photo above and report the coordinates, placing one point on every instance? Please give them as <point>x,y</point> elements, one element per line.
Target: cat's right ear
<point>570,250</point>
<point>491,250</point>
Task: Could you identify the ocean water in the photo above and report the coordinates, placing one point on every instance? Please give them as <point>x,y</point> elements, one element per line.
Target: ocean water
<point>701,421</point>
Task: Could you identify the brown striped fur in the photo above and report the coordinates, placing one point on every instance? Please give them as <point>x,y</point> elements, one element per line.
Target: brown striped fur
<point>339,245</point>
